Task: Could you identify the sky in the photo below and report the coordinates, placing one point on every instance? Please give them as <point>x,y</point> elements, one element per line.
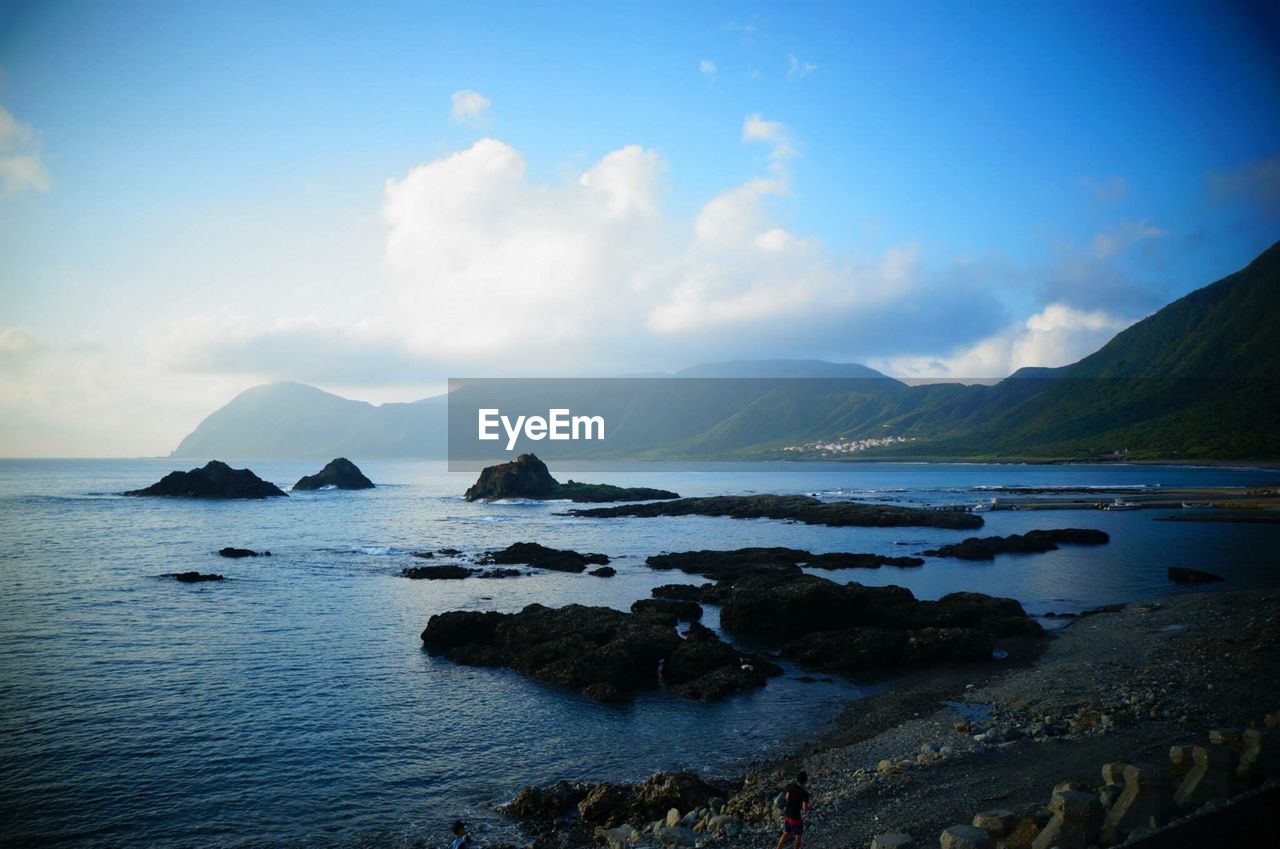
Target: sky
<point>371,198</point>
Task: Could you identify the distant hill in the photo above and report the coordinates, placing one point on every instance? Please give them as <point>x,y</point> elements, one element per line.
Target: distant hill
<point>293,420</point>
<point>1195,381</point>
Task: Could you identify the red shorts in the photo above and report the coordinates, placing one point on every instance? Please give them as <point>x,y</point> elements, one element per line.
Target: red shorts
<point>792,826</point>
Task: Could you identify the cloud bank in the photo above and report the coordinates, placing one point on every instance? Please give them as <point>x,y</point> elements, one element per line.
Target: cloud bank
<point>21,165</point>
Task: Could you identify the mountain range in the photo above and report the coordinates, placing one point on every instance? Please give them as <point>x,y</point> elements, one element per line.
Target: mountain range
<point>1196,380</point>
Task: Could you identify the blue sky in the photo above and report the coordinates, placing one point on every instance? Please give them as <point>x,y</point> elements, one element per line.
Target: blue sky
<point>199,197</point>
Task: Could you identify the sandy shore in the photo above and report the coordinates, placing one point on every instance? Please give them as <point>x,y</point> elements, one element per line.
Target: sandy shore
<point>1121,685</point>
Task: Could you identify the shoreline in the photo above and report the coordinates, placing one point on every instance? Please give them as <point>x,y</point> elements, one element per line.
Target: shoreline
<point>938,746</point>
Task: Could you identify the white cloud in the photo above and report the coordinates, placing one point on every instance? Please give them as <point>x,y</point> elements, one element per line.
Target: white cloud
<point>486,263</point>
<point>755,128</point>
<point>16,343</point>
<point>707,68</point>
<point>797,69</point>
<point>1108,245</point>
<point>1056,336</point>
<point>468,106</point>
<point>21,165</point>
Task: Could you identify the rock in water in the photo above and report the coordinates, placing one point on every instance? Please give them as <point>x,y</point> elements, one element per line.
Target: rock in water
<point>794,508</point>
<point>528,477</point>
<point>192,577</point>
<point>215,480</point>
<point>443,572</point>
<point>542,557</point>
<point>340,473</point>
<point>606,654</point>
<point>1183,575</point>
<point>231,551</point>
<point>1032,542</point>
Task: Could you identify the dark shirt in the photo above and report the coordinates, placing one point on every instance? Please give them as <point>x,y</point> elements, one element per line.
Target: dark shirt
<point>797,796</point>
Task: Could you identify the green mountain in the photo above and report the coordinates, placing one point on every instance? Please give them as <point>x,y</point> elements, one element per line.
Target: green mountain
<point>1195,381</point>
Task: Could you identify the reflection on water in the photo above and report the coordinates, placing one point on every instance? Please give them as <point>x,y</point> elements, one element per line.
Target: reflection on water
<point>293,705</point>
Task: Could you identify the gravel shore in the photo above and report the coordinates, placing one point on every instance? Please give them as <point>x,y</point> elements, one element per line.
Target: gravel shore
<point>942,745</point>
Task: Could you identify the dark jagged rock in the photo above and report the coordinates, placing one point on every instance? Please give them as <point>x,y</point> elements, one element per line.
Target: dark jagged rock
<point>853,627</point>
<point>851,649</point>
<point>604,572</point>
<point>808,603</point>
<point>930,645</point>
<point>1032,542</point>
<point>459,628</point>
<point>499,573</point>
<point>528,477</point>
<point>1183,575</point>
<point>706,668</point>
<point>701,593</point>
<point>242,552</point>
<point>606,654</point>
<point>689,611</point>
<point>609,805</point>
<point>214,480</point>
<point>546,805</point>
<point>796,508</point>
<point>872,648</point>
<point>443,572</point>
<point>542,557</point>
<point>340,473</point>
<point>193,577</point>
<point>750,562</point>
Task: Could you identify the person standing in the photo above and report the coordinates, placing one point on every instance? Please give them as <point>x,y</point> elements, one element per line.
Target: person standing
<point>460,838</point>
<point>794,809</point>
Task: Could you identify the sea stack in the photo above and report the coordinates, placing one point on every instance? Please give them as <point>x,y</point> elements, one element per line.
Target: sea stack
<point>528,477</point>
<point>214,480</point>
<point>340,473</point>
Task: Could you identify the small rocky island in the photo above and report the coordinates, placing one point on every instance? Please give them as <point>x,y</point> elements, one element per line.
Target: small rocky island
<point>541,557</point>
<point>794,508</point>
<point>214,480</point>
<point>745,562</point>
<point>1032,542</point>
<point>340,474</point>
<point>528,477</point>
<point>606,654</point>
<point>193,577</point>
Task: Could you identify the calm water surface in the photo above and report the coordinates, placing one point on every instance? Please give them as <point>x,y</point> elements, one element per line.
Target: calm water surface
<point>293,705</point>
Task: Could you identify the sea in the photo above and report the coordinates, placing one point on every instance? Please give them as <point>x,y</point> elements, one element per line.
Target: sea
<point>293,705</point>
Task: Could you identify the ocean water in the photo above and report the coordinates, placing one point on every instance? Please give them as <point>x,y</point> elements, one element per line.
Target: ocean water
<point>293,705</point>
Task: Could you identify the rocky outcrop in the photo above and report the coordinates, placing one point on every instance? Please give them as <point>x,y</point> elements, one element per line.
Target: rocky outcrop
<point>674,609</point>
<point>443,572</point>
<point>213,480</point>
<point>1032,542</point>
<point>340,473</point>
<point>454,571</point>
<point>1183,575</point>
<point>750,562</point>
<point>528,477</point>
<point>542,557</point>
<point>851,627</point>
<point>604,572</point>
<point>614,805</point>
<point>795,508</point>
<point>193,577</point>
<point>229,551</point>
<point>607,654</point>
